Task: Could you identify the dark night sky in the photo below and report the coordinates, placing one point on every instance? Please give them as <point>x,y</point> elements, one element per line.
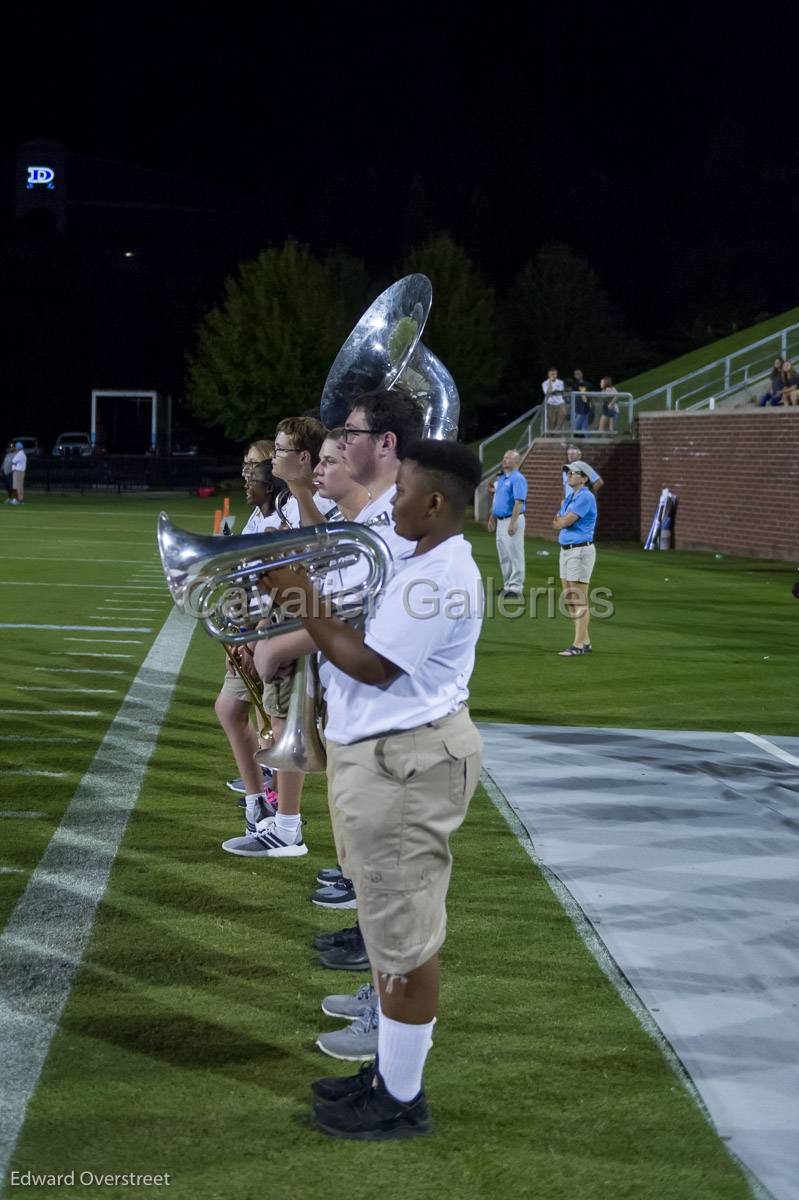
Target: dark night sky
<point>663,146</point>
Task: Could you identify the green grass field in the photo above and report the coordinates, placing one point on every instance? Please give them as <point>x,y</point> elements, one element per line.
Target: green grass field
<point>186,1045</point>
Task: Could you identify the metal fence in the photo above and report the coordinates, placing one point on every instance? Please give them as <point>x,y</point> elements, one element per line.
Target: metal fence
<point>725,375</point>
<point>129,473</point>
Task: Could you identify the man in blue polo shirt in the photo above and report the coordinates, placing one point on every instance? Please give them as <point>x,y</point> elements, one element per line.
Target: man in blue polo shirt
<point>575,524</point>
<point>510,494</point>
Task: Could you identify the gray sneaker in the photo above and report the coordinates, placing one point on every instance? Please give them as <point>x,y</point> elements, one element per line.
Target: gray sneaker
<point>237,785</point>
<point>350,1007</point>
<point>355,1043</point>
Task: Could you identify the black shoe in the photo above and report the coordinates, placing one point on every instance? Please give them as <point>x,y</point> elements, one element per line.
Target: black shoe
<point>335,895</point>
<point>341,1086</point>
<point>340,937</point>
<point>346,958</point>
<point>373,1115</point>
<point>329,875</point>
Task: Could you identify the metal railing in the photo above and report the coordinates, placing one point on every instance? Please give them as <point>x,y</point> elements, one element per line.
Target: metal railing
<point>600,414</point>
<point>725,375</point>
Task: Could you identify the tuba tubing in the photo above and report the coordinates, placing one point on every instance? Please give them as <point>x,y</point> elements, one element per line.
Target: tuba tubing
<point>218,584</point>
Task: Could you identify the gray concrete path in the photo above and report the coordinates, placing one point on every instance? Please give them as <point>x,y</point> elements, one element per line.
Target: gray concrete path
<point>682,850</point>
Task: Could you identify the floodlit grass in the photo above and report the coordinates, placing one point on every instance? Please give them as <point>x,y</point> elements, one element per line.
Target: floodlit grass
<point>187,1043</point>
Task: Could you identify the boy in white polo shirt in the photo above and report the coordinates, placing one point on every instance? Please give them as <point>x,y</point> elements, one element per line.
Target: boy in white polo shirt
<point>403,763</point>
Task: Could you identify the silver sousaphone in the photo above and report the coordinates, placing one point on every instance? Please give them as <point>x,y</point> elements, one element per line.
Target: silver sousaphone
<point>385,352</point>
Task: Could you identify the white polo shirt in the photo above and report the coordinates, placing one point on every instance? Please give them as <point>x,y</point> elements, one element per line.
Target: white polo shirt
<point>20,461</point>
<point>556,386</point>
<point>427,622</point>
<point>256,522</point>
<point>292,510</point>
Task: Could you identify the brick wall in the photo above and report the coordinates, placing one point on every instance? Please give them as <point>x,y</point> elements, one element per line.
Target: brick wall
<point>618,501</point>
<point>736,475</point>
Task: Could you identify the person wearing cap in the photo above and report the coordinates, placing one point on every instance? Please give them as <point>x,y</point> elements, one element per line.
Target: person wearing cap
<point>595,479</point>
<point>19,464</point>
<point>575,524</point>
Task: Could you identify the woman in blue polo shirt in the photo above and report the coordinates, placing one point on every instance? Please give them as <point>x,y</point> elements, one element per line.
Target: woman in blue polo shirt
<point>575,524</point>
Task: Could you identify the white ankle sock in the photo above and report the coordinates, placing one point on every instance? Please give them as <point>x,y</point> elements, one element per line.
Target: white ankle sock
<point>401,1053</point>
<point>251,805</point>
<point>287,828</point>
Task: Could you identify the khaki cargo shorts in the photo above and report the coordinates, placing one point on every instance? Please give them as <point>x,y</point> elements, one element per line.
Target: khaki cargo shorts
<point>275,696</point>
<point>395,801</point>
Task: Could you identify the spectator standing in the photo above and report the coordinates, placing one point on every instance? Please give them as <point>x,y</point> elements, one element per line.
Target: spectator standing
<point>583,405</point>
<point>575,525</point>
<point>19,465</point>
<point>595,480</point>
<point>610,407</point>
<point>774,394</point>
<point>552,388</point>
<point>507,519</point>
<point>7,471</point>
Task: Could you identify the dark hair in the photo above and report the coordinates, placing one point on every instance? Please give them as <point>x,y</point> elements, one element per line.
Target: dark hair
<point>453,469</point>
<point>262,473</point>
<point>305,432</point>
<point>392,412</point>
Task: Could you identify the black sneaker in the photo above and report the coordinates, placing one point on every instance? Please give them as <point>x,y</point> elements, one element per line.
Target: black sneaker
<point>346,958</point>
<point>335,895</point>
<point>339,937</point>
<point>344,1085</point>
<point>329,875</point>
<point>373,1115</point>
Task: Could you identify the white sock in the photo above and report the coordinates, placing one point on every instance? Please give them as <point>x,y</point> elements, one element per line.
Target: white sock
<point>401,1053</point>
<point>252,807</point>
<point>287,828</point>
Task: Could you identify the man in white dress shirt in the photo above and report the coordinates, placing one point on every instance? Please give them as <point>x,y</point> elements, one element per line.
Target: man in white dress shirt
<point>19,464</point>
<point>403,763</point>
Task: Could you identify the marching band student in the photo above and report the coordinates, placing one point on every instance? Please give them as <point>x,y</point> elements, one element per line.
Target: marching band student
<point>298,441</point>
<point>403,763</point>
<point>233,702</point>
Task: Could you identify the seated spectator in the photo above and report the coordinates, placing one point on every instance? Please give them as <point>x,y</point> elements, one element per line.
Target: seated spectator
<point>610,407</point>
<point>774,394</point>
<point>790,385</point>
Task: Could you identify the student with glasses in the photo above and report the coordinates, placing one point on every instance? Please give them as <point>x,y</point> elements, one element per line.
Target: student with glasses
<point>295,455</point>
<point>234,701</point>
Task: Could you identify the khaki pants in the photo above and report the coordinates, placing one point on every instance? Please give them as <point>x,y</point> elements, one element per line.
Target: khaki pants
<point>395,801</point>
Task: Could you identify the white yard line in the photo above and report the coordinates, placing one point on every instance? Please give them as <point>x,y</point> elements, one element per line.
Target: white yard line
<point>54,741</point>
<point>79,670</point>
<point>46,936</point>
<point>21,815</point>
<point>74,691</point>
<point>100,642</point>
<point>49,712</point>
<point>56,583</point>
<point>89,653</point>
<point>72,558</point>
<point>770,748</point>
<point>82,628</point>
<point>38,774</point>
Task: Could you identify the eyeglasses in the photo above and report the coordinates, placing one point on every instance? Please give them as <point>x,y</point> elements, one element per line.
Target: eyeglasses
<point>284,450</point>
<point>351,434</point>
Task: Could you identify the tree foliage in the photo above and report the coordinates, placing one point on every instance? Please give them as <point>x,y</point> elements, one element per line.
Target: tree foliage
<point>560,316</point>
<point>462,328</point>
<point>265,351</point>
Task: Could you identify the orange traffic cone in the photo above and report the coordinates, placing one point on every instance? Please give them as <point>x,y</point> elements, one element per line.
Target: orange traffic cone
<point>218,521</point>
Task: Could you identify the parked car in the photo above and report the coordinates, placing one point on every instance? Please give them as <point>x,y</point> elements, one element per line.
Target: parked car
<point>29,444</point>
<point>72,445</point>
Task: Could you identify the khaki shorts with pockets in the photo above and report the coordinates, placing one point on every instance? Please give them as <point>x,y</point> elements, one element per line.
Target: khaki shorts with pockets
<point>395,801</point>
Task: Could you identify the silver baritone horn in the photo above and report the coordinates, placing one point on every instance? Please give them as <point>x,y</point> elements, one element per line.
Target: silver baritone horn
<point>216,579</point>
